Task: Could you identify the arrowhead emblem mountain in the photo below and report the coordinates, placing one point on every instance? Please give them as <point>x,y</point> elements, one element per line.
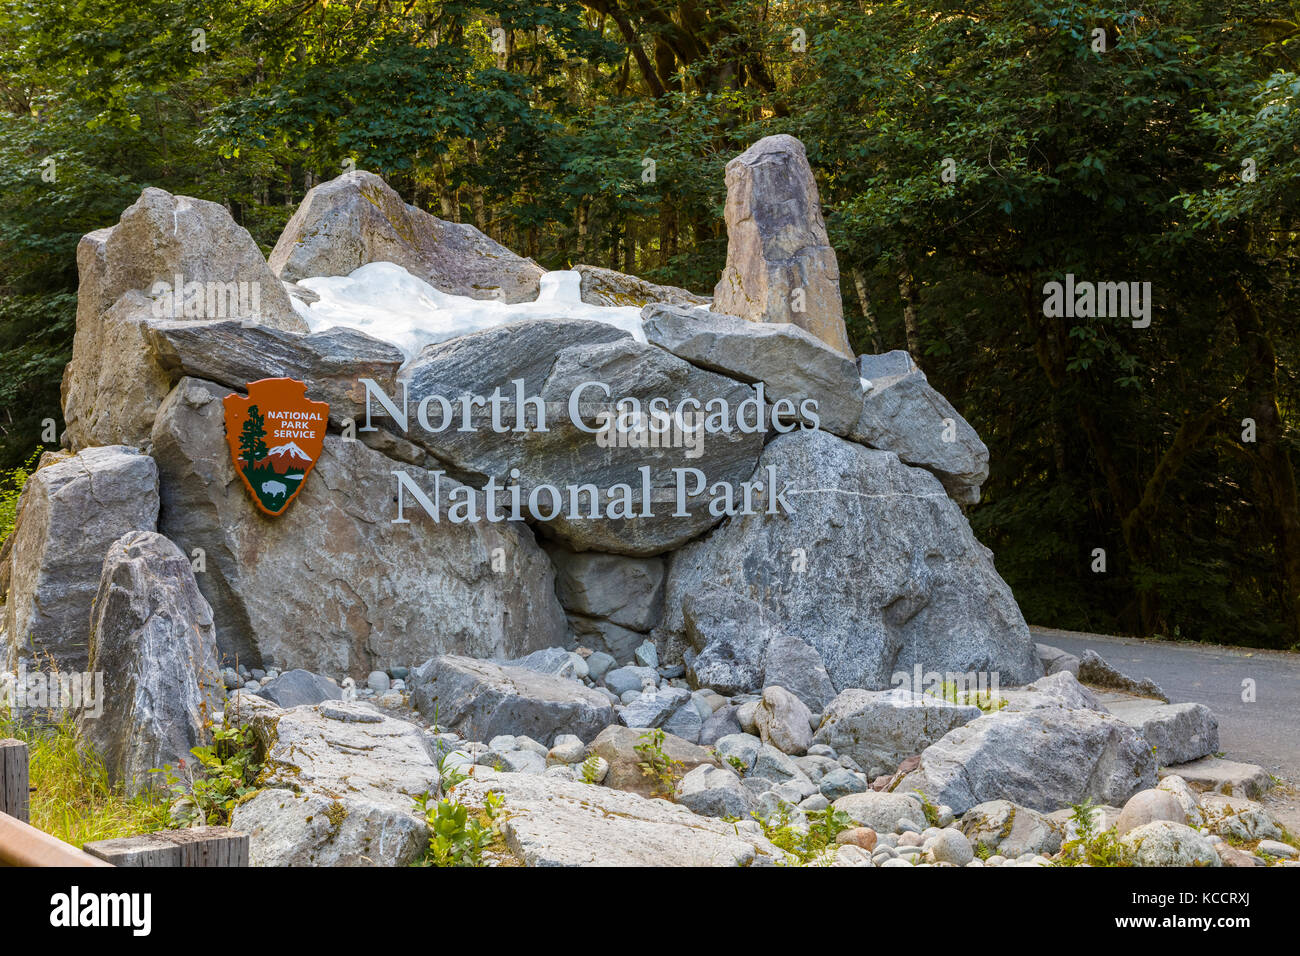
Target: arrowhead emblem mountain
<point>275,434</point>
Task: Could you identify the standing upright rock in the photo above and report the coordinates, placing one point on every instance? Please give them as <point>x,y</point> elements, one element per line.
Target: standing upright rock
<point>69,514</point>
<point>168,257</point>
<point>780,264</point>
<point>152,638</point>
<point>358,218</point>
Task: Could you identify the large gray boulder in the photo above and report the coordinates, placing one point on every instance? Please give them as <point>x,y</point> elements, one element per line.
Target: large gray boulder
<point>601,635</point>
<point>69,513</point>
<point>1165,843</point>
<point>1055,690</point>
<point>607,287</point>
<point>617,745</point>
<point>341,782</point>
<point>1098,672</point>
<point>358,218</point>
<point>552,359</point>
<point>878,729</point>
<point>286,828</point>
<point>113,385</point>
<point>1044,759</point>
<point>482,699</point>
<point>334,584</point>
<point>332,362</point>
<point>129,276</point>
<point>901,413</point>
<point>778,255</point>
<point>792,364</point>
<point>297,687</point>
<point>715,792</point>
<point>874,567</point>
<point>553,822</point>
<point>736,648</point>
<point>1177,732</point>
<point>793,664</point>
<point>626,591</point>
<point>1001,827</point>
<point>883,812</point>
<point>1054,659</point>
<point>337,747</point>
<point>152,638</point>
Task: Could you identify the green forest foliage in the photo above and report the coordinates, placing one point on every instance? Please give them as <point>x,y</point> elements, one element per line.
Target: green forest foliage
<point>967,154</point>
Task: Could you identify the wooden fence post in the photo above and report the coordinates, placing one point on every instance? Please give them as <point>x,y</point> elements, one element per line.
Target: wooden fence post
<point>196,847</point>
<point>14,787</point>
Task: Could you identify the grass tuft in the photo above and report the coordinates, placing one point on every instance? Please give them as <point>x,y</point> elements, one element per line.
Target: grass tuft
<point>73,799</point>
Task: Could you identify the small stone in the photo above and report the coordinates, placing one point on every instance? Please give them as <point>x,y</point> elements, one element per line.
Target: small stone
<point>1229,855</point>
<point>796,790</point>
<point>1278,849</point>
<point>685,722</point>
<point>814,804</point>
<point>864,837</point>
<point>1148,806</point>
<point>598,664</point>
<point>745,715</point>
<point>378,682</point>
<point>739,751</point>
<point>646,654</point>
<point>593,770</point>
<point>714,792</point>
<point>623,679</point>
<point>840,783</point>
<point>524,761</point>
<point>774,765</point>
<point>567,749</point>
<point>783,721</point>
<point>951,846</point>
<point>524,742</point>
<point>850,855</point>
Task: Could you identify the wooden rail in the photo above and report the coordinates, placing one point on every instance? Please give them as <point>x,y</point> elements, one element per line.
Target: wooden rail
<point>21,844</point>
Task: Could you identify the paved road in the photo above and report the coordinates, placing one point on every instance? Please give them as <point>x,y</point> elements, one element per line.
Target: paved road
<point>1265,732</point>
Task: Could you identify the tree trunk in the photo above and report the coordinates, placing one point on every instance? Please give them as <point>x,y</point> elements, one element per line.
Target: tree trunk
<point>907,290</point>
<point>864,300</point>
<point>1272,462</point>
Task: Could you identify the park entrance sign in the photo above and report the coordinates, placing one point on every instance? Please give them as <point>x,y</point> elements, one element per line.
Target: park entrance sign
<point>275,434</point>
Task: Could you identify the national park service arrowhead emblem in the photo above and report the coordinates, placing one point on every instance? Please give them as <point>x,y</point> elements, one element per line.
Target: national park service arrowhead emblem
<point>275,434</point>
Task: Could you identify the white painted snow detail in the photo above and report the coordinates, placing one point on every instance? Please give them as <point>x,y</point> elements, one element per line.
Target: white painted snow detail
<point>383,300</point>
<point>289,449</point>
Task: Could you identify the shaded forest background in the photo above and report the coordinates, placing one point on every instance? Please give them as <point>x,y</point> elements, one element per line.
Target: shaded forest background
<point>1164,148</point>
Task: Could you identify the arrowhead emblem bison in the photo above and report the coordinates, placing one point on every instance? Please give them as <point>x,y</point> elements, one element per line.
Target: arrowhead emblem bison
<point>276,435</point>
